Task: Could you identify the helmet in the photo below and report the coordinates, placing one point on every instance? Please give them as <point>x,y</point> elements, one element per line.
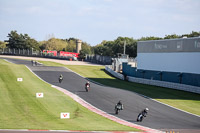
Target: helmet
<point>88,82</point>
<point>146,109</point>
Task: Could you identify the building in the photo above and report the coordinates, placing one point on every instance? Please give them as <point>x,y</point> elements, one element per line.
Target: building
<point>173,63</point>
<point>172,55</point>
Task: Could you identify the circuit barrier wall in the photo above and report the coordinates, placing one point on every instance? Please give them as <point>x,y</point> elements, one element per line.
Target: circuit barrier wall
<point>171,85</point>
<point>115,74</point>
<point>156,81</point>
<point>173,77</point>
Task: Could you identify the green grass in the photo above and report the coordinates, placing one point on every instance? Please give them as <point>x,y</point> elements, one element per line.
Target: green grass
<point>20,109</point>
<point>187,101</point>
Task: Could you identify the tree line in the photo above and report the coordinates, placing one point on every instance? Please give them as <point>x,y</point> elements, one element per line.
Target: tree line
<point>23,41</point>
<point>105,48</point>
<point>113,48</point>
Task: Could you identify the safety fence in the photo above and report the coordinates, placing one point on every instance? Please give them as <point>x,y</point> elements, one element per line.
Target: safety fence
<point>33,53</point>
<point>105,60</point>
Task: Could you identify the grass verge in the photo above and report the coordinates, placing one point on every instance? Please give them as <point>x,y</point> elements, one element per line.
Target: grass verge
<point>187,101</point>
<point>20,109</point>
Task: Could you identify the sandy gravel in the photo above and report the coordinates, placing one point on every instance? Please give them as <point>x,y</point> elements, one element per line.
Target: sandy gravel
<point>65,62</point>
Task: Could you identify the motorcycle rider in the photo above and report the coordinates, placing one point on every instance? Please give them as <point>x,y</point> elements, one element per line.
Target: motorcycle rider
<point>119,104</point>
<point>60,78</point>
<point>144,112</point>
<point>87,85</point>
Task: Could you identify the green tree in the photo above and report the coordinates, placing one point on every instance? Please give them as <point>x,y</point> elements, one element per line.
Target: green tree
<point>82,54</point>
<point>42,45</point>
<point>99,49</point>
<point>113,48</point>
<point>21,41</point>
<point>2,44</point>
<point>15,40</point>
<point>86,48</point>
<point>173,36</point>
<point>71,47</point>
<point>192,34</point>
<point>53,44</point>
<point>149,38</point>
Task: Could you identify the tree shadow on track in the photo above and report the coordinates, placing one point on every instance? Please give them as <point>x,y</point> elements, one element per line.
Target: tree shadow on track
<point>154,92</point>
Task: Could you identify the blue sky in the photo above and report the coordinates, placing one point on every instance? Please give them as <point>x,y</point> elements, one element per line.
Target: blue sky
<point>93,21</point>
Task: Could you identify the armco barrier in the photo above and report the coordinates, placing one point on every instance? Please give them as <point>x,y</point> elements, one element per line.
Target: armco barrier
<point>116,74</point>
<point>177,86</point>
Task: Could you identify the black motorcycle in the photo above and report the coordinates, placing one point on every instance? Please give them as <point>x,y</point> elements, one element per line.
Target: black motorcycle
<point>117,109</point>
<point>87,88</point>
<point>141,117</point>
<point>60,79</point>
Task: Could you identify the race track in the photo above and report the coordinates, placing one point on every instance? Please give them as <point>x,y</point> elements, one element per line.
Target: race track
<point>159,117</point>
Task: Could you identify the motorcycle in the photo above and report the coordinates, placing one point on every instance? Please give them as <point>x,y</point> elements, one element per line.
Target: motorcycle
<point>117,109</point>
<point>87,88</point>
<point>60,80</point>
<point>140,117</point>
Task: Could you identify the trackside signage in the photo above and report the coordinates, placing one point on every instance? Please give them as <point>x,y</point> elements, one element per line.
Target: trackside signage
<point>19,79</point>
<point>39,95</point>
<point>64,115</point>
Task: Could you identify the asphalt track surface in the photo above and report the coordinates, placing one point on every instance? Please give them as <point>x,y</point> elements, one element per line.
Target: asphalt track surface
<point>160,116</point>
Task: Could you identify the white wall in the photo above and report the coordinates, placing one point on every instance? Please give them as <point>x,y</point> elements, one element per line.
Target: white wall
<point>115,74</point>
<point>173,62</point>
